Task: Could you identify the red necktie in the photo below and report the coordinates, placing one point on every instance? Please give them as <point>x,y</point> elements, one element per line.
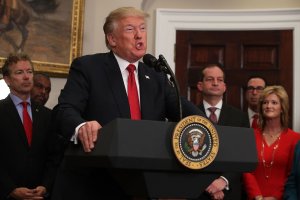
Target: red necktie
<point>254,121</point>
<point>133,97</point>
<point>213,116</point>
<point>27,123</point>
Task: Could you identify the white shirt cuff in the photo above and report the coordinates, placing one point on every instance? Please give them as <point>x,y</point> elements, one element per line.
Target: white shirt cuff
<point>74,137</point>
<point>227,183</point>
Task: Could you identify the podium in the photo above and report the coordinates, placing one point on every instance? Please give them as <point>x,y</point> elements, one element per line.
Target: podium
<point>140,156</point>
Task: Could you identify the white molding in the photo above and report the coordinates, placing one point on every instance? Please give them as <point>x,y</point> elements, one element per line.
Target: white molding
<point>168,21</point>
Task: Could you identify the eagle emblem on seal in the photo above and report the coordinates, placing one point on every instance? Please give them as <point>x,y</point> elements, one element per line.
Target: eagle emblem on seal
<point>195,142</point>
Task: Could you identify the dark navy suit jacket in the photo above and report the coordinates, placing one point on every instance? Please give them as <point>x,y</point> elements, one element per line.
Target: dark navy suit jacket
<point>95,91</point>
<point>292,186</point>
<point>23,165</point>
<point>231,116</point>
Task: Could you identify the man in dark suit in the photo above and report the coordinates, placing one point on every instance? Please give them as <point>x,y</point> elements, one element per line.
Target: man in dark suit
<point>96,93</point>
<point>28,163</point>
<point>292,186</point>
<point>212,87</point>
<point>255,85</point>
<point>41,88</point>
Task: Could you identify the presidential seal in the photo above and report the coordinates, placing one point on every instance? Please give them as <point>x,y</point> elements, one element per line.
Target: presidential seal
<point>195,142</point>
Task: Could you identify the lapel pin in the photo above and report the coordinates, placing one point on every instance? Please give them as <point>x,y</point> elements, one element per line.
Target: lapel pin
<point>147,77</point>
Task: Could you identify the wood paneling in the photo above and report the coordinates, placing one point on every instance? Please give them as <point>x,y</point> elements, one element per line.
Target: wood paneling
<point>242,53</point>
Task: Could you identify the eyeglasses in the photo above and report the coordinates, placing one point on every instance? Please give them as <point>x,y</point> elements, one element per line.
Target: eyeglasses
<point>258,88</point>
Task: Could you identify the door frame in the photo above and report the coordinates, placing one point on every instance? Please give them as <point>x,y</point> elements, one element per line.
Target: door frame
<point>168,21</point>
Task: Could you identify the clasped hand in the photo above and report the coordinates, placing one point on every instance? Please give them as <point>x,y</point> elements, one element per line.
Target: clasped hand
<point>215,189</point>
<point>23,193</point>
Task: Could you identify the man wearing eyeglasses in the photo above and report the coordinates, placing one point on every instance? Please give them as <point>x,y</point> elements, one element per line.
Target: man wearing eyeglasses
<point>255,86</point>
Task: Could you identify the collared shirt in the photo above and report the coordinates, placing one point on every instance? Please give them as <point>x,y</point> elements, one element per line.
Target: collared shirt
<point>18,104</point>
<point>251,113</point>
<point>218,106</point>
<point>123,64</point>
<point>217,112</point>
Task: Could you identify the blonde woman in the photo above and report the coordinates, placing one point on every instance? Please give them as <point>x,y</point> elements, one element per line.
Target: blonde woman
<point>275,147</point>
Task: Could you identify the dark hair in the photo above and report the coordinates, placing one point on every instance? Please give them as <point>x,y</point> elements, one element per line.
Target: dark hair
<point>13,58</point>
<point>256,76</point>
<point>220,66</point>
<point>41,74</point>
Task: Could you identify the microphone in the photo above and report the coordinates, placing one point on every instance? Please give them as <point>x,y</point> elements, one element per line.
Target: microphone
<point>161,65</point>
<point>152,62</point>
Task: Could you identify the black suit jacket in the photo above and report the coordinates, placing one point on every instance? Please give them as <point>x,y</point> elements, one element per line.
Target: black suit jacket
<point>95,91</point>
<point>292,186</point>
<point>231,116</point>
<point>23,165</point>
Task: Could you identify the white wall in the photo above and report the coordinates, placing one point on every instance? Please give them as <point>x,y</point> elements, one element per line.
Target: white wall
<point>56,84</point>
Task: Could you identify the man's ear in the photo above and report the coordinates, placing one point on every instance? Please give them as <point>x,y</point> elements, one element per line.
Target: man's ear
<point>7,80</point>
<point>199,86</point>
<point>111,40</point>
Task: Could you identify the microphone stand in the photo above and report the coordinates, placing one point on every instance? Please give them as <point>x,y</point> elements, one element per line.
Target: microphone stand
<point>174,82</point>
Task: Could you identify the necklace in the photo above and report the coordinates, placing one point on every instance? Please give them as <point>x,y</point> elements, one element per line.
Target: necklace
<point>268,165</point>
<point>272,136</point>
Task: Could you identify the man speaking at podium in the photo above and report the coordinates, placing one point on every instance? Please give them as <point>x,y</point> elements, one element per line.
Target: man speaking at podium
<point>106,86</point>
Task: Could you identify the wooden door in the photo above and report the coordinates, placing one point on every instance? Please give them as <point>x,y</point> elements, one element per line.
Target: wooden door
<point>243,53</point>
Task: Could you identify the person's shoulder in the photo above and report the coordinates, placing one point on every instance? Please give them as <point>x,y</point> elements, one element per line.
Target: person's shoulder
<point>298,146</point>
<point>91,62</point>
<point>201,105</point>
<point>146,70</point>
<point>297,150</point>
<point>5,101</point>
<point>233,109</point>
<point>2,101</point>
<point>46,109</point>
<point>293,134</point>
<point>41,109</point>
<point>291,131</point>
<point>89,57</point>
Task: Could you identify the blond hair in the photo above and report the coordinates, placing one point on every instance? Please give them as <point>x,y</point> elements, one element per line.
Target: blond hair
<point>110,24</point>
<point>281,93</point>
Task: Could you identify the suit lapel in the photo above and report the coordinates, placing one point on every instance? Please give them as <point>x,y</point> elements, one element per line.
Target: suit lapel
<point>297,163</point>
<point>222,118</point>
<point>35,121</point>
<point>117,85</point>
<point>201,107</point>
<point>146,91</point>
<point>13,116</point>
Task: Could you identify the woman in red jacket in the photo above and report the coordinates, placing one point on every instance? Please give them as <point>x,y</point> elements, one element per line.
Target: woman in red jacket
<point>275,147</point>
